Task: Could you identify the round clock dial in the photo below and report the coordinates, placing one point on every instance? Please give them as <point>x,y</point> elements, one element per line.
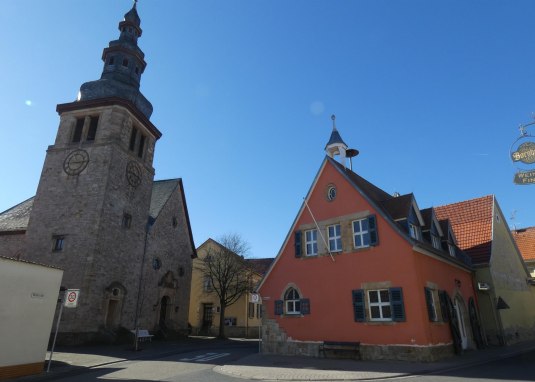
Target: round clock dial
<point>76,162</point>
<point>133,174</point>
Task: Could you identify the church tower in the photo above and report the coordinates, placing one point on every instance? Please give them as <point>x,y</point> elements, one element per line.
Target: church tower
<point>90,215</point>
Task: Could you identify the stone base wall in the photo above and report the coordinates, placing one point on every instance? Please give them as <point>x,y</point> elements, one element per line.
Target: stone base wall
<point>276,341</point>
<point>406,352</point>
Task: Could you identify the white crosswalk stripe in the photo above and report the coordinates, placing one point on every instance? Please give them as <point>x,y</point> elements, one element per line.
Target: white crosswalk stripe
<point>205,357</point>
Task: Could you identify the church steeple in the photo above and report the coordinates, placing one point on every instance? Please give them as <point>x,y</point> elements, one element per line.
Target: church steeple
<point>124,63</point>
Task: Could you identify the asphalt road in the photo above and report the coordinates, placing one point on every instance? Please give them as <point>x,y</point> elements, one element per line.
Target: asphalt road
<point>518,368</point>
<point>196,366</point>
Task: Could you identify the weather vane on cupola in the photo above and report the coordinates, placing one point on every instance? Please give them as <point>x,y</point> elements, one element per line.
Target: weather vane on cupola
<point>337,146</point>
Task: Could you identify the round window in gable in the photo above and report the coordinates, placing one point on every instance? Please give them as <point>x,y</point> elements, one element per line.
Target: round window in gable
<point>331,192</point>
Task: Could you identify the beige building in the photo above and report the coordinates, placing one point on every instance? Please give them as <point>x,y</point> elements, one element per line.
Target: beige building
<point>27,304</point>
<point>242,319</point>
<point>506,295</point>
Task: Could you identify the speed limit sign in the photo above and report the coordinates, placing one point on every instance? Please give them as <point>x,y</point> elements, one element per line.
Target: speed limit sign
<point>71,298</point>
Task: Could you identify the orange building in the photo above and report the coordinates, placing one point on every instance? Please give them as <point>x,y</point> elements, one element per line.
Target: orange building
<point>360,267</point>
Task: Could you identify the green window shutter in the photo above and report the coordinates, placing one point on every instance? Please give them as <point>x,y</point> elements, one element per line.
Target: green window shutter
<point>305,306</point>
<point>444,307</point>
<point>396,302</point>
<point>358,305</point>
<point>429,302</point>
<point>372,229</point>
<point>298,250</point>
<point>278,307</point>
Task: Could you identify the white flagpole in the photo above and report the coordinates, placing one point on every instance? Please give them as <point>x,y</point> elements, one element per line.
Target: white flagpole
<point>319,230</point>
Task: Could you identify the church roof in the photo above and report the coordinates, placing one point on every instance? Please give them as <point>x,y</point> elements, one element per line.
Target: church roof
<point>15,219</point>
<point>161,192</point>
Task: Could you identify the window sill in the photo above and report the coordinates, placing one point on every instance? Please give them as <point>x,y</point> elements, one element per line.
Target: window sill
<point>292,315</point>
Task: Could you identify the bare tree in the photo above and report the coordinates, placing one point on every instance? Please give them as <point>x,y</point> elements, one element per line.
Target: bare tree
<point>227,271</point>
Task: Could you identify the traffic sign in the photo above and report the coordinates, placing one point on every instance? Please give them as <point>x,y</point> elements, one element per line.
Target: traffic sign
<point>71,298</point>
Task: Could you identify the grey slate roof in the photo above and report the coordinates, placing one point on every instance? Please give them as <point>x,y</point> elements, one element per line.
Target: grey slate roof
<point>16,218</point>
<point>161,192</point>
<point>399,207</point>
<point>335,138</point>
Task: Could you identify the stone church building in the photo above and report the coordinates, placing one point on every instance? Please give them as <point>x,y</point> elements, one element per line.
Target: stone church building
<point>122,238</point>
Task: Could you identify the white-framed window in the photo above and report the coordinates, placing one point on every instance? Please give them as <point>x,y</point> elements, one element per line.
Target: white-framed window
<point>361,237</point>
<point>414,231</point>
<point>435,241</point>
<point>335,238</point>
<point>379,305</point>
<point>292,301</point>
<point>311,242</point>
<point>431,304</point>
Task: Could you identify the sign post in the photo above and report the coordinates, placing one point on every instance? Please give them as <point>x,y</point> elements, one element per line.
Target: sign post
<point>69,300</point>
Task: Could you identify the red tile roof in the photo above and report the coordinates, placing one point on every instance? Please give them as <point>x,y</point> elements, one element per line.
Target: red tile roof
<point>525,241</point>
<point>471,221</point>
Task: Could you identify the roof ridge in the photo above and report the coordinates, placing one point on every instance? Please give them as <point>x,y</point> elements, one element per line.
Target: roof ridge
<point>467,201</point>
<point>18,204</point>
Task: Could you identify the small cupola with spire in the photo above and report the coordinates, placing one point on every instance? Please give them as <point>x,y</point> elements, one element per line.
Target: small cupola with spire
<point>337,146</point>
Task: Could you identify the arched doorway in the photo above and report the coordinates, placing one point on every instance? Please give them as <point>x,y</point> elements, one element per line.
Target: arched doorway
<point>460,315</point>
<point>164,304</point>
<point>114,296</point>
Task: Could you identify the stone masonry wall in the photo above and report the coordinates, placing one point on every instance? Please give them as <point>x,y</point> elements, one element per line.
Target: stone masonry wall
<point>12,245</point>
<point>276,341</point>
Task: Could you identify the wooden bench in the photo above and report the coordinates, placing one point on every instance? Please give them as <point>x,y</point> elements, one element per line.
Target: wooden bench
<point>344,349</point>
<point>143,335</point>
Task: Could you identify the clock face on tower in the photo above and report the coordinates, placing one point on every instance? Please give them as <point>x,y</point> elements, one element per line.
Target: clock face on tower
<point>133,174</point>
<point>76,162</point>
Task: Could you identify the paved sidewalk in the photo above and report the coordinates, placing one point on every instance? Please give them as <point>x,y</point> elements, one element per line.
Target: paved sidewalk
<point>285,368</point>
<point>73,361</point>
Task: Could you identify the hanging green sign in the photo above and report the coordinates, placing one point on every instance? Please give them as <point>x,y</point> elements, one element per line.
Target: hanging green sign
<point>524,177</point>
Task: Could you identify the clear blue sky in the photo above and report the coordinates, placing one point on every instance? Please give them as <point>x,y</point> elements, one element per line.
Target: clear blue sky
<point>430,92</point>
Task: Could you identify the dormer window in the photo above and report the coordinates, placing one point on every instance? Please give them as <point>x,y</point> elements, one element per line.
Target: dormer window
<point>451,249</point>
<point>435,241</point>
<point>414,231</point>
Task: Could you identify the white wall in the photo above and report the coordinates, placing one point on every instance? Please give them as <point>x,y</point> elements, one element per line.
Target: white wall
<point>28,298</point>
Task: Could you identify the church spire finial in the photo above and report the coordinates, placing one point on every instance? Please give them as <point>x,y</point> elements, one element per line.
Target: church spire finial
<point>333,117</point>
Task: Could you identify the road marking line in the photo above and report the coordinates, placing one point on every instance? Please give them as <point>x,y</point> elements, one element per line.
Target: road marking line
<point>205,357</point>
